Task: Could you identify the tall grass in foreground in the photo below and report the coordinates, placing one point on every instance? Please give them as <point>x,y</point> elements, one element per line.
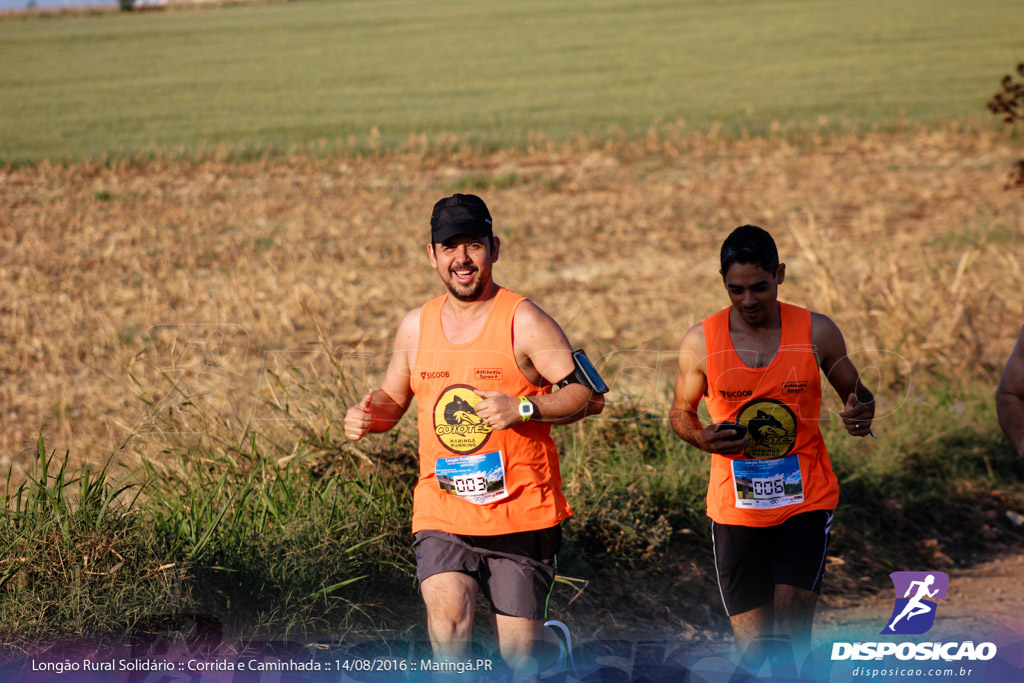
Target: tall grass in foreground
<point>72,563</point>
<point>258,548</point>
<point>318,545</point>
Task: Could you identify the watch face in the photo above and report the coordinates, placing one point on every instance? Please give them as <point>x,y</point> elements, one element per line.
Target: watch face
<point>526,409</point>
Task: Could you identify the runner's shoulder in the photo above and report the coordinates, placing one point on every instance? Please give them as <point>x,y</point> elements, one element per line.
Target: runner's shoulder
<point>531,319</point>
<point>693,350</point>
<point>530,313</point>
<point>823,321</point>
<point>694,341</point>
<point>824,331</point>
<point>408,334</point>
<point>411,317</point>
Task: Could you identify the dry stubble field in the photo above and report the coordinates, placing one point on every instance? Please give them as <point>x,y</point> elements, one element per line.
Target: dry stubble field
<point>906,238</point>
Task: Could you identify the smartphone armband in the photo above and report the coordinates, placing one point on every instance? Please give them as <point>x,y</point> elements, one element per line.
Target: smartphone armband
<point>585,373</point>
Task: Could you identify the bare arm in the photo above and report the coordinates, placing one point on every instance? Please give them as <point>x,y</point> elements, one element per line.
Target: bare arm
<point>380,410</point>
<point>691,384</point>
<point>1010,396</point>
<point>544,354</point>
<point>858,401</point>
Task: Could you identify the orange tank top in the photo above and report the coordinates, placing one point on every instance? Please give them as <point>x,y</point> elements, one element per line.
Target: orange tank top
<point>785,469</point>
<point>475,480</point>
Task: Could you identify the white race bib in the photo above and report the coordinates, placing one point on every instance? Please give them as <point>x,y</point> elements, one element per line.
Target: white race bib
<point>477,479</point>
<point>766,484</point>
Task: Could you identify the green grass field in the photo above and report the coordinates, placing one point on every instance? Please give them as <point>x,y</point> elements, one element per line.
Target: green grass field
<point>368,72</point>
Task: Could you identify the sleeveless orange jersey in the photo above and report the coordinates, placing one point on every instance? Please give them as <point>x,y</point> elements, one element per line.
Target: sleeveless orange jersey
<point>785,468</point>
<point>474,480</point>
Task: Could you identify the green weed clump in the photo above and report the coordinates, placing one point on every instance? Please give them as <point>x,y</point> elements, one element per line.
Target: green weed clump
<point>274,548</point>
<point>75,557</point>
<point>255,547</point>
<point>635,487</point>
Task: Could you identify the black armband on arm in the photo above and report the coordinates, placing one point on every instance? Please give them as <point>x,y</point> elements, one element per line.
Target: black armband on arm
<point>585,373</point>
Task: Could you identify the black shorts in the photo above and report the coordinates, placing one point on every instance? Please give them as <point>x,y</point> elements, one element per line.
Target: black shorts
<point>514,571</point>
<point>751,561</point>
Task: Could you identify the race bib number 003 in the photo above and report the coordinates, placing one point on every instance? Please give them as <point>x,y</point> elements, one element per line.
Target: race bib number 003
<point>477,479</point>
<point>764,484</point>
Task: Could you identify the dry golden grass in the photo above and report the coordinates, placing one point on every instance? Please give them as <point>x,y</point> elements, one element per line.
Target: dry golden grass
<point>907,239</point>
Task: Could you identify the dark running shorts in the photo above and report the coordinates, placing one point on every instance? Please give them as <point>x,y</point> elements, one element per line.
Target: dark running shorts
<point>750,561</point>
<point>515,571</point>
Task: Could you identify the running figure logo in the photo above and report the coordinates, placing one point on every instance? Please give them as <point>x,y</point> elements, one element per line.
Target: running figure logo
<point>914,613</point>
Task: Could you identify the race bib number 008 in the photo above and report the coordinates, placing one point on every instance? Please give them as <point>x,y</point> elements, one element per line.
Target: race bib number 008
<point>477,479</point>
<point>765,484</point>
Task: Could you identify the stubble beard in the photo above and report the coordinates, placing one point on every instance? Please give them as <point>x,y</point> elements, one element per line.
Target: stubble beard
<point>468,292</point>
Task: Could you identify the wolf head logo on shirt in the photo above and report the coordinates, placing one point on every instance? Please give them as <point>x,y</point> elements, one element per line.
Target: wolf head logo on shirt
<point>764,425</point>
<point>459,412</point>
<point>772,426</point>
<point>456,423</point>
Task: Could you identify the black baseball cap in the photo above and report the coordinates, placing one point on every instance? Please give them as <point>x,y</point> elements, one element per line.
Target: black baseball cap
<point>460,214</point>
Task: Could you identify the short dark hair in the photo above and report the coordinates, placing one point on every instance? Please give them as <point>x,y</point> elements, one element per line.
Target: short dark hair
<point>750,244</point>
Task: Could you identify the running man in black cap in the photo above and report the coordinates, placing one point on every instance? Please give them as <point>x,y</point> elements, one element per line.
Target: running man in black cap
<point>481,362</point>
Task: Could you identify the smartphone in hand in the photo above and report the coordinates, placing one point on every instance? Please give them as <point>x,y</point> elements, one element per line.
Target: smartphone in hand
<point>741,431</point>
